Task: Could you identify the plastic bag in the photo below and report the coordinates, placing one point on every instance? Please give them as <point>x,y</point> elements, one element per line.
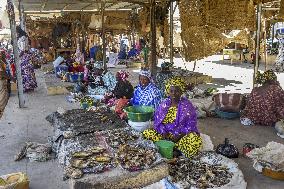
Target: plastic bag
<point>227,150</point>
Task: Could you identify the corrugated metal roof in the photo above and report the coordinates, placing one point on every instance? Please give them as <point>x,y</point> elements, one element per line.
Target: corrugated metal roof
<point>78,5</point>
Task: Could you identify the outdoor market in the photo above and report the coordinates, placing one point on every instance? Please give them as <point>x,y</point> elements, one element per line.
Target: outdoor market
<point>150,94</point>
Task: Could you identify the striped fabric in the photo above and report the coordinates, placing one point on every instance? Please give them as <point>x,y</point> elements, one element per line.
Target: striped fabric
<point>149,96</point>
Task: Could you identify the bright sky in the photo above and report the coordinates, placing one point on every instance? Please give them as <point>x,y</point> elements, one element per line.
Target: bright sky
<point>3,4</point>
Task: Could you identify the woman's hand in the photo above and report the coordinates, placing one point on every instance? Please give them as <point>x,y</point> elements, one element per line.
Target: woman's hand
<point>166,136</point>
<point>177,138</point>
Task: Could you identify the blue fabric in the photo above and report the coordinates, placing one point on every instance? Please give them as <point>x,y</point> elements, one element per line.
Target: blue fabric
<point>93,51</point>
<point>148,96</point>
<point>122,54</point>
<point>133,53</point>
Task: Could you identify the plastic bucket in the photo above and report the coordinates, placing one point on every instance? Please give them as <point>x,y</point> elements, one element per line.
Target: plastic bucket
<point>166,148</point>
<point>139,113</point>
<point>139,126</point>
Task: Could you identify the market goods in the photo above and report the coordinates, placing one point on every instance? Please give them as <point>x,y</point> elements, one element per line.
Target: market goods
<point>79,121</point>
<point>119,137</point>
<point>134,158</point>
<point>90,161</point>
<point>227,150</point>
<point>199,174</point>
<point>70,172</point>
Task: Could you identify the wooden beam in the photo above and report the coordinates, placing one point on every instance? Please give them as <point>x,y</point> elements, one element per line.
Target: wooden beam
<point>67,5</point>
<point>153,62</point>
<point>87,6</point>
<point>11,15</point>
<point>43,5</point>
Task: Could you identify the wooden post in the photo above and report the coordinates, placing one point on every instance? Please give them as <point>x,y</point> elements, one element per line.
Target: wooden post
<point>11,15</point>
<point>265,51</point>
<point>172,32</point>
<point>103,35</point>
<point>257,42</point>
<point>153,62</point>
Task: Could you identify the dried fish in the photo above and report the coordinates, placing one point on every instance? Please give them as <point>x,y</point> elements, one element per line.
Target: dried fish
<point>135,158</point>
<point>70,172</point>
<point>118,137</point>
<point>199,174</point>
<point>82,154</point>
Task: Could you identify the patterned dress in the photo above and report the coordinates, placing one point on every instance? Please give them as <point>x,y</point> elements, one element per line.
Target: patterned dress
<point>28,74</point>
<point>147,96</point>
<point>109,81</point>
<point>265,105</point>
<point>176,122</point>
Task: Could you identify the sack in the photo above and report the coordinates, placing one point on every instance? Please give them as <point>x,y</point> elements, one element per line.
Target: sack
<point>228,102</point>
<point>227,150</point>
<point>15,181</point>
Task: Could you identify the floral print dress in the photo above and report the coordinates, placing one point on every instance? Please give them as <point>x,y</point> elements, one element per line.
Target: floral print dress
<point>265,105</point>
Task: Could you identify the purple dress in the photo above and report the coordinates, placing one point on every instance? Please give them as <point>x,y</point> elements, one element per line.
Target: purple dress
<point>185,122</point>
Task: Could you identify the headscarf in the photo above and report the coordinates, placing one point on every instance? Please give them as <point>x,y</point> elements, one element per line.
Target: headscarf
<point>145,73</point>
<point>177,82</point>
<point>122,74</point>
<point>268,75</point>
<point>99,65</point>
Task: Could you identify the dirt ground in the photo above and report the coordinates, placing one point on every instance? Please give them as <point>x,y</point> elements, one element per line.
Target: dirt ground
<point>21,125</point>
<point>219,129</point>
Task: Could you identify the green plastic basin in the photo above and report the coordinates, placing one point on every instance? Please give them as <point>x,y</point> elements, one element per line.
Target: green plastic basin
<point>139,113</point>
<point>166,148</point>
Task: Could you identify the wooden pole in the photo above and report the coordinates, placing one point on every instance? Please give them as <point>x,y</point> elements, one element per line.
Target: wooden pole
<point>257,42</point>
<point>265,51</point>
<point>153,38</point>
<point>172,32</point>
<point>103,35</point>
<point>11,15</point>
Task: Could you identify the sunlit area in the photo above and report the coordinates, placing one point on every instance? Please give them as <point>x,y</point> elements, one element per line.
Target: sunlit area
<point>148,94</point>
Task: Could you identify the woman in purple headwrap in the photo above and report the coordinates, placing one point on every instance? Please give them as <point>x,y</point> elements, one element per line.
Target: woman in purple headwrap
<point>176,120</point>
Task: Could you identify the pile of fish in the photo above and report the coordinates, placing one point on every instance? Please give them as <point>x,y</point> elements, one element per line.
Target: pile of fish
<point>80,121</point>
<point>118,137</point>
<point>199,174</point>
<point>94,160</point>
<point>134,158</point>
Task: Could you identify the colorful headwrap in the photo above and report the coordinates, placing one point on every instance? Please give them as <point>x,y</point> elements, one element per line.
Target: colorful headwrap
<point>268,75</point>
<point>145,73</point>
<point>99,65</point>
<point>177,82</point>
<point>122,74</point>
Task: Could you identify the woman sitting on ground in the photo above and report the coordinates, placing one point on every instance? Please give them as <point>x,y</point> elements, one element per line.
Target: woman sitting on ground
<point>265,105</point>
<point>100,81</point>
<point>175,119</point>
<point>123,92</point>
<point>163,76</point>
<point>146,93</point>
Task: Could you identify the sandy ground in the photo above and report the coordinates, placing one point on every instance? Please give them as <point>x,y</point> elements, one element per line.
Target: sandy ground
<point>29,124</point>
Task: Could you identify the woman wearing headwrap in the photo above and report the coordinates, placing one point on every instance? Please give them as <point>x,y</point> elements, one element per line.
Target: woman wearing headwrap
<point>265,105</point>
<point>123,92</point>
<point>163,76</point>
<point>146,93</point>
<point>176,120</point>
<point>100,82</point>
<point>27,68</point>
<point>28,74</point>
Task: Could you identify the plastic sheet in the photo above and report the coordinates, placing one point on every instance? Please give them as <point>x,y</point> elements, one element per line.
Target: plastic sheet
<point>271,156</point>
